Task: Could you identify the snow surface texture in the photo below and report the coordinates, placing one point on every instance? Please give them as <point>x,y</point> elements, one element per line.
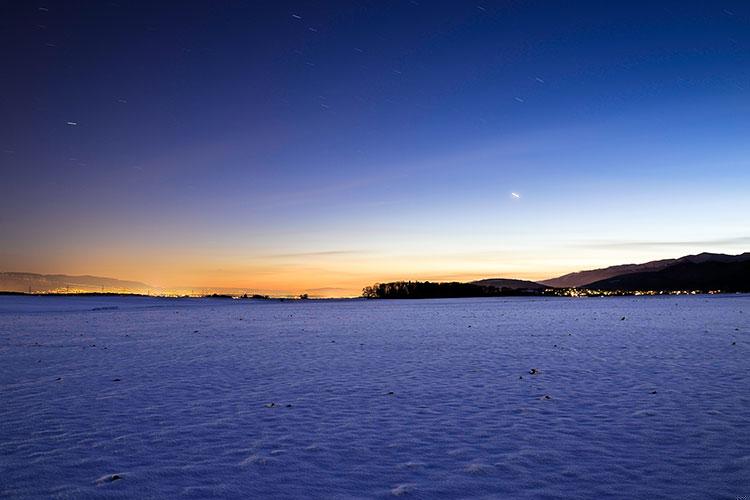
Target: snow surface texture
<point>370,399</point>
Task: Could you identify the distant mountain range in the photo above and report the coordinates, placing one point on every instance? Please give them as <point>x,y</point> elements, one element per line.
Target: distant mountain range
<point>586,279</point>
<point>25,282</point>
<point>731,276</point>
<point>705,271</point>
<point>583,278</point>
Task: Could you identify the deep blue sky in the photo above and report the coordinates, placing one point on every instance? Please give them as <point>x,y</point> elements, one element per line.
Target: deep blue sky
<point>292,145</point>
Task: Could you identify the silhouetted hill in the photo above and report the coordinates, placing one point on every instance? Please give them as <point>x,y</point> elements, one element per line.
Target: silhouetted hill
<point>510,283</point>
<point>23,282</point>
<point>586,278</point>
<point>714,257</point>
<point>704,275</point>
<point>581,278</point>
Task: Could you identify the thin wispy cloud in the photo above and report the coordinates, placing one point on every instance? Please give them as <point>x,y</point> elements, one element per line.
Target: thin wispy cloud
<point>324,253</point>
<point>629,244</point>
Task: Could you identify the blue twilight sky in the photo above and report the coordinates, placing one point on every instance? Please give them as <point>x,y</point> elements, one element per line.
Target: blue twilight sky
<point>300,146</point>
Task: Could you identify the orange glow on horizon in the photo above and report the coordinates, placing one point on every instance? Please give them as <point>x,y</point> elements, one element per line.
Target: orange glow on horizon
<point>326,273</point>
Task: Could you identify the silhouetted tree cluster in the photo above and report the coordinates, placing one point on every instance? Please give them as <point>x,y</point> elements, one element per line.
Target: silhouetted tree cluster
<point>255,296</point>
<point>430,290</point>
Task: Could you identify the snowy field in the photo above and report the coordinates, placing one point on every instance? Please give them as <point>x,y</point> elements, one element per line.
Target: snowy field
<point>430,399</point>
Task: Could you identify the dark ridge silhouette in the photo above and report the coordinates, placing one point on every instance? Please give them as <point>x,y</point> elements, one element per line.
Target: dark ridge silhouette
<point>581,278</point>
<point>686,275</point>
<point>584,279</point>
<point>430,290</point>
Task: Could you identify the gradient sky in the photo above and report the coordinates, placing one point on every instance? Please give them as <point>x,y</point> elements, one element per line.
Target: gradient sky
<point>290,146</point>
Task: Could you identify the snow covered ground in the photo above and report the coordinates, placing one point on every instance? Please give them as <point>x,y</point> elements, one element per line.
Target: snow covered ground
<point>369,399</point>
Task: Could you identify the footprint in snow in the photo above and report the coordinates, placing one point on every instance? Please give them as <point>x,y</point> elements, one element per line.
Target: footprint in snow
<point>109,478</point>
<point>276,405</point>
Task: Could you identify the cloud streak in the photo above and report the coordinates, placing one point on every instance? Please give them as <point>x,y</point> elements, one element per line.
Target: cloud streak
<point>324,253</point>
<point>629,244</point>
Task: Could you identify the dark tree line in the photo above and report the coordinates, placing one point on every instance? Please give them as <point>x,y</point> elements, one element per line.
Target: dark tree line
<point>430,290</point>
